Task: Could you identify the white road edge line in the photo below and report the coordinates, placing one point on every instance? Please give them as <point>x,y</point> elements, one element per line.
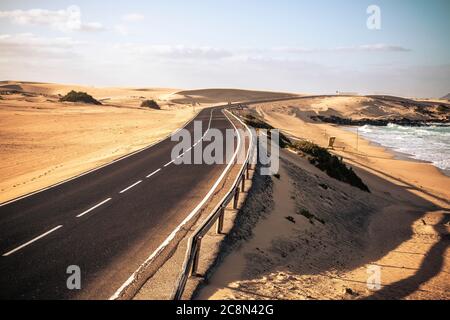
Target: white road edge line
<point>186,220</point>
<point>96,206</point>
<point>31,241</point>
<point>129,187</point>
<point>154,172</point>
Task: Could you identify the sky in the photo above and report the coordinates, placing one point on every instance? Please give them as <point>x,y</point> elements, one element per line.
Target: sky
<point>320,46</point>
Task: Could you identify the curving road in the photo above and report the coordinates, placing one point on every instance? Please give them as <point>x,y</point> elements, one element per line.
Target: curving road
<point>107,221</point>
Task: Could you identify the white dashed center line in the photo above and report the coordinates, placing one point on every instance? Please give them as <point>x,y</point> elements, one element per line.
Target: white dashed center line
<point>128,188</point>
<point>154,172</point>
<point>96,206</point>
<point>31,241</point>
<point>168,163</point>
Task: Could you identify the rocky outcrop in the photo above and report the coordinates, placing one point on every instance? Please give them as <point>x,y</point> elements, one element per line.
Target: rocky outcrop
<point>380,122</point>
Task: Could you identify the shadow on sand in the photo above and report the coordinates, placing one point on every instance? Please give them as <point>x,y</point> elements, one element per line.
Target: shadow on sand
<point>400,195</point>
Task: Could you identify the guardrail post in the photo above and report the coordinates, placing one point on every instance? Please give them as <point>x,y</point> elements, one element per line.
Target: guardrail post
<point>219,225</point>
<point>257,150</point>
<point>196,257</point>
<point>247,171</point>
<point>243,182</point>
<point>236,198</point>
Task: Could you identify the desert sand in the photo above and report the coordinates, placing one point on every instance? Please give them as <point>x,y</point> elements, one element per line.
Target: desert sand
<point>44,141</point>
<point>402,227</point>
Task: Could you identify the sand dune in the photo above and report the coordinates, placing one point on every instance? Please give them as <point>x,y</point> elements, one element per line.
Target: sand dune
<point>225,95</point>
<point>44,141</point>
<point>130,97</point>
<point>359,107</point>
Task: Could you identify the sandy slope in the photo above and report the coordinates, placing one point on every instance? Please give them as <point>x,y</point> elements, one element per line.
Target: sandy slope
<point>402,226</point>
<point>402,235</point>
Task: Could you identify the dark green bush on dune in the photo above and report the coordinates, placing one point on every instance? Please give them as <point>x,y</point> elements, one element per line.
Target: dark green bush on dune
<point>332,165</point>
<point>320,157</point>
<point>152,104</point>
<point>74,96</point>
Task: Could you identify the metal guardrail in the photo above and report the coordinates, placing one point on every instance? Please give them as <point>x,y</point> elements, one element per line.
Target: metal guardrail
<point>192,257</point>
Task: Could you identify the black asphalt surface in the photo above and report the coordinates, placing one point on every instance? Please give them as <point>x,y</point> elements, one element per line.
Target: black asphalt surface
<point>109,242</point>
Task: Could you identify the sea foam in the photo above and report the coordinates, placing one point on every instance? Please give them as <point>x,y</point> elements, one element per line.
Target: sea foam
<point>431,143</point>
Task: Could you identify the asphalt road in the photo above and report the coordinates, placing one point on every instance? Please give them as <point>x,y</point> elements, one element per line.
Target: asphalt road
<point>107,222</point>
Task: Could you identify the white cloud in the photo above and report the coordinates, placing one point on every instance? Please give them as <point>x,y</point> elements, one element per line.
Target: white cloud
<point>375,47</point>
<point>177,52</point>
<point>121,29</point>
<point>133,17</point>
<point>379,47</point>
<point>91,26</point>
<point>64,20</point>
<point>128,19</point>
<point>29,45</point>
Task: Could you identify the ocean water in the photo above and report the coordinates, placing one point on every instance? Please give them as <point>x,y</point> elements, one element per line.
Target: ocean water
<point>430,144</point>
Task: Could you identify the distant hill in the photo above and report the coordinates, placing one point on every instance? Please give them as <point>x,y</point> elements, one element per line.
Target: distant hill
<point>224,95</point>
<point>446,97</point>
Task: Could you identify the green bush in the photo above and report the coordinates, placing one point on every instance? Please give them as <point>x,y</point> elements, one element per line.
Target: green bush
<point>74,96</point>
<point>332,165</point>
<point>152,104</point>
<point>257,123</point>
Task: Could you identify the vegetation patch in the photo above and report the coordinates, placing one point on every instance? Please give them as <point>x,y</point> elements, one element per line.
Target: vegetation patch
<point>308,215</point>
<point>290,218</point>
<point>332,165</point>
<point>152,104</point>
<point>323,186</point>
<point>74,96</point>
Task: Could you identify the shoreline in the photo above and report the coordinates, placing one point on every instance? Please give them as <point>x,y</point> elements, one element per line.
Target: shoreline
<point>445,122</point>
<point>421,175</point>
<point>398,155</point>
